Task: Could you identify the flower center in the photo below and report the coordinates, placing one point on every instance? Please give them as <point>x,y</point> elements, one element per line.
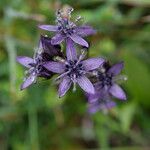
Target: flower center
<point>65,26</point>
<point>35,69</point>
<point>74,69</point>
<point>105,78</point>
<point>36,66</point>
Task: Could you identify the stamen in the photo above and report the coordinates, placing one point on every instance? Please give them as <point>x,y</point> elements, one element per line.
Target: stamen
<point>74,86</point>
<point>57,58</point>
<point>26,72</point>
<point>83,54</point>
<point>120,78</point>
<point>33,78</point>
<point>40,51</point>
<point>95,73</point>
<point>65,12</point>
<point>62,75</point>
<point>78,19</point>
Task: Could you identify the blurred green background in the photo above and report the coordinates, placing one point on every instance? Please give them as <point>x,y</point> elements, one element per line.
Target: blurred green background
<point>36,119</point>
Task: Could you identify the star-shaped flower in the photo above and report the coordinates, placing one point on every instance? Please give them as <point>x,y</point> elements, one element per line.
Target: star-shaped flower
<point>74,70</point>
<point>44,53</point>
<point>66,30</point>
<point>105,88</point>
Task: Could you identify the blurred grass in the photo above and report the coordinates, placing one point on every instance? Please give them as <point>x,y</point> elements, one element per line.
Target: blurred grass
<point>36,118</point>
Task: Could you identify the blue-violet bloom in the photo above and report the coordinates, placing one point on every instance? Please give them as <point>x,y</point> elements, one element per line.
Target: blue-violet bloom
<point>101,105</point>
<point>106,87</point>
<point>74,70</point>
<point>67,30</point>
<point>35,64</point>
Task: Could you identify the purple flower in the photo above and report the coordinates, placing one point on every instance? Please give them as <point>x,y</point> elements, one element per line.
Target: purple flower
<point>74,70</point>
<point>100,105</point>
<point>105,88</point>
<point>67,30</point>
<point>35,65</point>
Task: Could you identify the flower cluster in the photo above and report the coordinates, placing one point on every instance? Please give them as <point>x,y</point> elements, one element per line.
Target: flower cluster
<point>95,76</point>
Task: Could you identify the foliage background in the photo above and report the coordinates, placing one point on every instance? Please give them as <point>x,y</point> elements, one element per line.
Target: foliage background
<point>36,119</point>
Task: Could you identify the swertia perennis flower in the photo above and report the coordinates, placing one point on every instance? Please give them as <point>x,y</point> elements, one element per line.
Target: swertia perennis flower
<point>66,30</point>
<point>74,70</point>
<point>106,87</point>
<point>94,75</point>
<point>44,53</point>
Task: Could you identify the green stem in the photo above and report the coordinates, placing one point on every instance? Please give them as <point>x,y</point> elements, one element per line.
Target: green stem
<point>33,128</point>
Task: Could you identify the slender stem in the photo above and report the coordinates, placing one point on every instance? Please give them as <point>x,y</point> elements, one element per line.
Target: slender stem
<point>33,128</point>
<point>10,46</point>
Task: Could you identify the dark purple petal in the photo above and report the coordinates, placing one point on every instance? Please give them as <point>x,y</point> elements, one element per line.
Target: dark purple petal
<point>70,50</point>
<point>57,39</point>
<point>45,73</point>
<point>92,63</point>
<point>56,67</point>
<point>85,30</point>
<point>79,40</point>
<point>86,84</point>
<point>116,69</point>
<point>48,27</point>
<point>25,61</point>
<point>117,92</point>
<point>48,48</point>
<point>30,80</point>
<point>64,86</point>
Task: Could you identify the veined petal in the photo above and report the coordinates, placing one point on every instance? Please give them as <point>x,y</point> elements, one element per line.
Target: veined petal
<point>79,40</point>
<point>56,67</point>
<point>57,39</point>
<point>48,27</point>
<point>70,50</point>
<point>30,80</point>
<point>117,92</point>
<point>116,69</point>
<point>85,30</point>
<point>92,63</point>
<point>86,84</point>
<point>25,61</point>
<point>64,86</point>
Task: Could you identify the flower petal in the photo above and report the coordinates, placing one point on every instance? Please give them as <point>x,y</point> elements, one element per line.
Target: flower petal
<point>56,67</point>
<point>79,40</point>
<point>57,39</point>
<point>85,30</point>
<point>109,104</point>
<point>92,97</point>
<point>48,27</point>
<point>64,86</point>
<point>25,61</point>
<point>30,80</point>
<point>101,104</point>
<point>117,92</point>
<point>92,63</point>
<point>116,69</point>
<point>93,107</point>
<point>70,50</point>
<point>86,84</point>
<point>48,48</point>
